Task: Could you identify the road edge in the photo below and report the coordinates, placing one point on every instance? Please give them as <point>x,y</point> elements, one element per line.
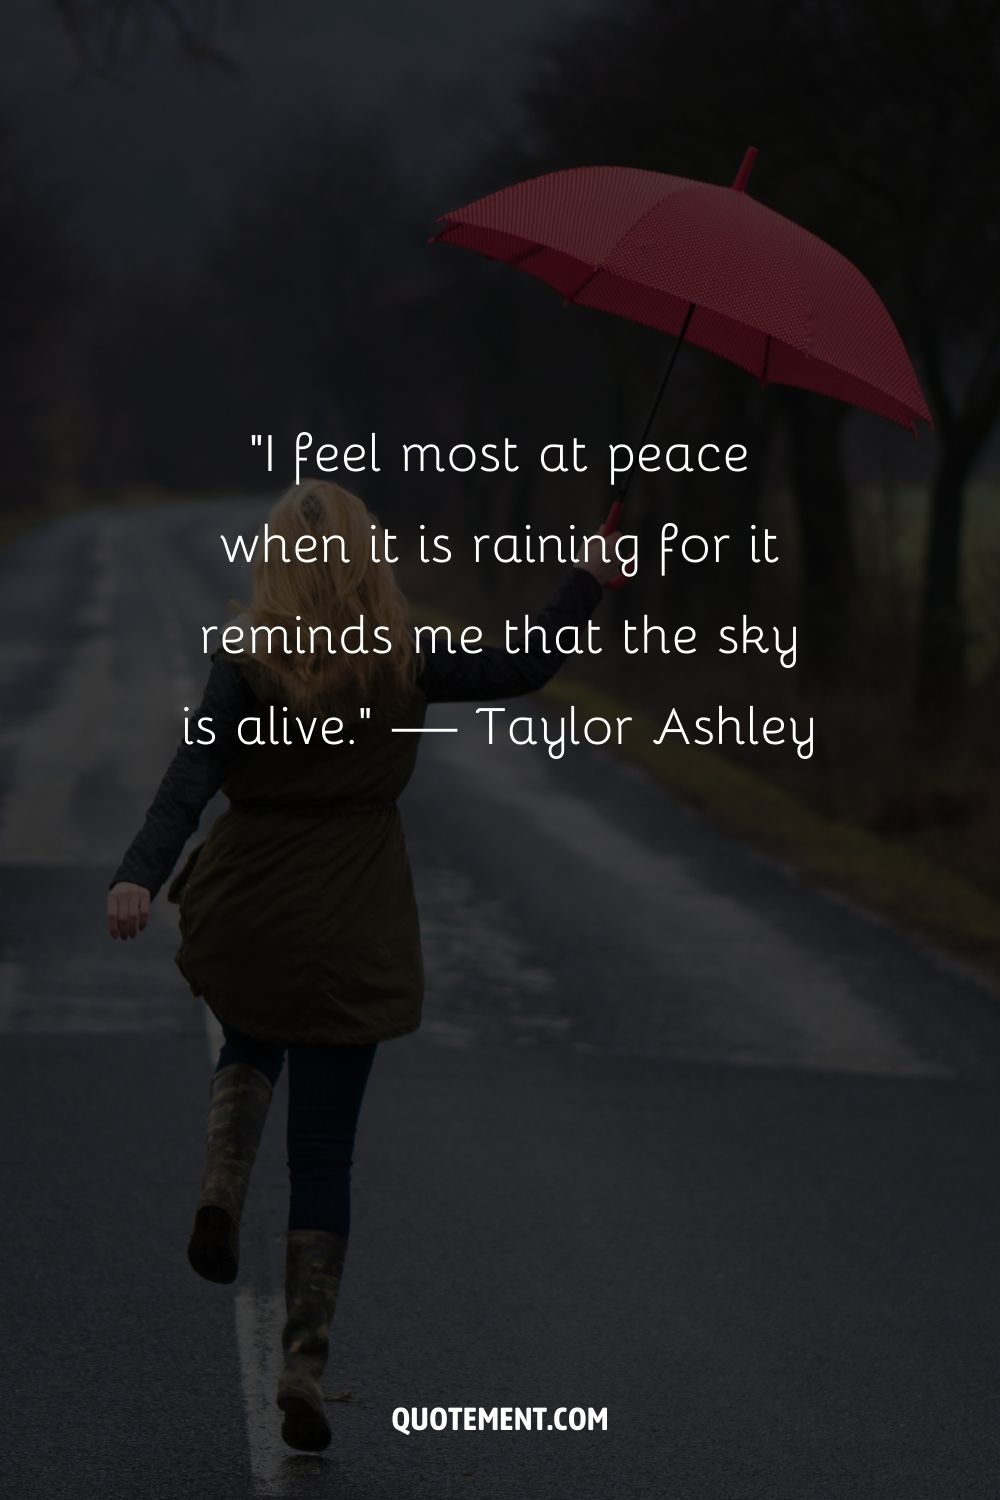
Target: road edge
<point>880,876</point>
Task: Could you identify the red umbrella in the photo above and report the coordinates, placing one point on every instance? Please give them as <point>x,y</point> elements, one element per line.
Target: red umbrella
<point>709,264</point>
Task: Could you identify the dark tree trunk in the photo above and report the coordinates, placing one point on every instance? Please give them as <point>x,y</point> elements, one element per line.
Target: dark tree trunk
<point>940,676</point>
<point>749,414</point>
<point>822,498</point>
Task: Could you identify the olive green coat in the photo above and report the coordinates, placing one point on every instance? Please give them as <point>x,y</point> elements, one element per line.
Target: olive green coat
<point>298,918</point>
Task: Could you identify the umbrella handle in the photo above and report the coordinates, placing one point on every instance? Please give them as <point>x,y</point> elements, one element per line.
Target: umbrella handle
<point>610,524</point>
<point>622,488</point>
<point>613,519</point>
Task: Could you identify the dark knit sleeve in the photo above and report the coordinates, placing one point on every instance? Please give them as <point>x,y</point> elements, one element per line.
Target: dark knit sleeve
<point>191,781</point>
<point>497,673</point>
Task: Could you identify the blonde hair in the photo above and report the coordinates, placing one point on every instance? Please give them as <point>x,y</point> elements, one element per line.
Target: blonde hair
<point>320,598</point>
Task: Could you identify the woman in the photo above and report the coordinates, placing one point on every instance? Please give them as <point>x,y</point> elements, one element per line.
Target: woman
<point>298,921</point>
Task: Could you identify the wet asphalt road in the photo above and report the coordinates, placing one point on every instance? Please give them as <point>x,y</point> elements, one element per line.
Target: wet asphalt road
<point>680,1138</point>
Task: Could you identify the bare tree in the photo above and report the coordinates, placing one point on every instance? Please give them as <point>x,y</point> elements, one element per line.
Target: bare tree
<point>109,33</point>
<point>918,158</point>
<point>879,131</point>
<point>40,276</point>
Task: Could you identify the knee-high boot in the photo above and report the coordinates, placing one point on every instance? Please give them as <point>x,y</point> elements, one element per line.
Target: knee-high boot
<point>313,1266</point>
<point>237,1109</point>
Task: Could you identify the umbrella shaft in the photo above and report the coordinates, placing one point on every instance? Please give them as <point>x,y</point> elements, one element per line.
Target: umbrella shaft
<point>622,488</point>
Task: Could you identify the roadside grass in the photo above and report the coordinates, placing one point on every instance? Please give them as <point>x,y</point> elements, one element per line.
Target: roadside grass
<point>889,528</point>
<point>18,523</point>
<point>885,876</point>
<point>877,873</point>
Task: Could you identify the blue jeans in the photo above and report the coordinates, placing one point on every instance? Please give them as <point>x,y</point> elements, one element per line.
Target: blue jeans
<point>325,1088</point>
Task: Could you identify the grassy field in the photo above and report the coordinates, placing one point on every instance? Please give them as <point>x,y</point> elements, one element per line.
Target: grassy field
<point>890,533</point>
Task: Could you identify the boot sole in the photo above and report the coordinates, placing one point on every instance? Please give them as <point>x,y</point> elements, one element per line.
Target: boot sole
<point>212,1247</point>
<point>304,1427</point>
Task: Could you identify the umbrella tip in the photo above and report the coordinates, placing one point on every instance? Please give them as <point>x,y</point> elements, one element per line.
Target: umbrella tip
<point>746,167</point>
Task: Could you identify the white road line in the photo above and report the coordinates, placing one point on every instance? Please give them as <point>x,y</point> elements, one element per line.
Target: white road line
<point>260,1317</point>
<point>275,1470</point>
<point>37,826</point>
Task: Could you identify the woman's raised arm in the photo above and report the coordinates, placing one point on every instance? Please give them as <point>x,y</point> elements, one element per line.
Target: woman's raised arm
<point>496,673</point>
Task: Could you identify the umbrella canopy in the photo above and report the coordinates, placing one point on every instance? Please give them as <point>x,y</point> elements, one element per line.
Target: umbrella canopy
<point>709,264</point>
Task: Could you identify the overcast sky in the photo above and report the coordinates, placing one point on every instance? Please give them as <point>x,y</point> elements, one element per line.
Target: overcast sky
<point>149,157</point>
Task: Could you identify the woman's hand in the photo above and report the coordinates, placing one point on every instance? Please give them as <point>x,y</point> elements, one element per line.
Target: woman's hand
<point>604,572</point>
<point>128,909</point>
<point>608,574</point>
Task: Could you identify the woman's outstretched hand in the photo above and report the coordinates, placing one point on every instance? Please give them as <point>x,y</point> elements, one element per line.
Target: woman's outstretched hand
<point>128,909</point>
